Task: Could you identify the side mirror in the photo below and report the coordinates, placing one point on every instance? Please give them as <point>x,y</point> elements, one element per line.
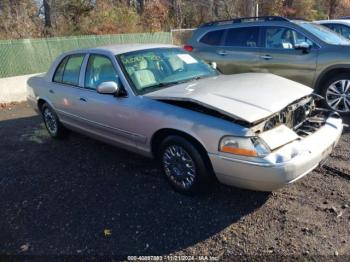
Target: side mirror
<point>213,65</point>
<point>305,47</point>
<point>109,88</point>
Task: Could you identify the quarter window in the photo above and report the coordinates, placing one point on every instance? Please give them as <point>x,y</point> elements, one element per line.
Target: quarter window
<point>99,69</point>
<point>283,38</point>
<point>59,71</point>
<point>212,38</point>
<point>242,37</point>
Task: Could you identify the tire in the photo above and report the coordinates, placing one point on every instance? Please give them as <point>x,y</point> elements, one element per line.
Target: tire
<point>336,91</point>
<point>52,123</point>
<point>185,165</point>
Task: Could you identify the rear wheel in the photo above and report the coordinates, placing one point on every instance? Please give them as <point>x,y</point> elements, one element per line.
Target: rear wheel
<point>184,165</point>
<point>336,91</point>
<point>52,123</point>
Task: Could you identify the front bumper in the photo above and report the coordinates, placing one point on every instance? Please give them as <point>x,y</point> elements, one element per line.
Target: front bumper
<point>284,165</point>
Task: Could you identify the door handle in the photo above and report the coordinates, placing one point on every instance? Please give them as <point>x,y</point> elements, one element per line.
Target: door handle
<point>82,99</point>
<point>222,52</point>
<point>51,91</point>
<point>266,57</point>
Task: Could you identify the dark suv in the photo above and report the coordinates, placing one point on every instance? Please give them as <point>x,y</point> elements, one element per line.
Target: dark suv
<point>299,50</point>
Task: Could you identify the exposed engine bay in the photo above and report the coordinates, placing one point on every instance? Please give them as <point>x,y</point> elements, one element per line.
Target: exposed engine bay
<point>302,116</point>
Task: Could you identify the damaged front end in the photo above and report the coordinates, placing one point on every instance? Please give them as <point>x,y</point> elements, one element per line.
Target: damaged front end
<point>297,120</point>
<point>302,116</point>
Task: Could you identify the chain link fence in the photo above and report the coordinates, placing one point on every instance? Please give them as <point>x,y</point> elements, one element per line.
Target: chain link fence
<point>28,56</point>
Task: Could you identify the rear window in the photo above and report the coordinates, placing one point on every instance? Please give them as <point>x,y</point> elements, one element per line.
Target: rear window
<point>242,37</point>
<point>212,38</point>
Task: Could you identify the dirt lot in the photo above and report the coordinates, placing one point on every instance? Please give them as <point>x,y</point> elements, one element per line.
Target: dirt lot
<point>79,196</point>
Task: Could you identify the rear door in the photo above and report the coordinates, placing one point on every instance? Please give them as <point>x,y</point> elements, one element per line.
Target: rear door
<point>240,51</point>
<point>280,57</point>
<point>235,50</point>
<point>64,89</point>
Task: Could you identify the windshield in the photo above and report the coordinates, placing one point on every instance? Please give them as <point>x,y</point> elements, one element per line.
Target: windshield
<point>325,34</point>
<point>154,69</point>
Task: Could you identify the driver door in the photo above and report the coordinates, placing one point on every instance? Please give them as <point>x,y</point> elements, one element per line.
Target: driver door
<point>105,115</point>
<point>279,56</point>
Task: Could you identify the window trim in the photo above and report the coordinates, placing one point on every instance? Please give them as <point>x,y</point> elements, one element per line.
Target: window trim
<point>64,69</point>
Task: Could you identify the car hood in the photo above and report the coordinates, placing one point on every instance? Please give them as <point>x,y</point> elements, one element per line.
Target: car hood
<point>249,97</point>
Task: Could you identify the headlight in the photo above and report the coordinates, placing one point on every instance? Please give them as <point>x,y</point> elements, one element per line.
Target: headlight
<point>245,146</point>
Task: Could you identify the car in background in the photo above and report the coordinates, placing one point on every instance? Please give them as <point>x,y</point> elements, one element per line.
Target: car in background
<point>299,50</point>
<point>340,26</point>
<point>162,102</point>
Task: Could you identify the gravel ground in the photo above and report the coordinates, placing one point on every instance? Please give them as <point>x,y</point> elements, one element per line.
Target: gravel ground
<point>82,197</point>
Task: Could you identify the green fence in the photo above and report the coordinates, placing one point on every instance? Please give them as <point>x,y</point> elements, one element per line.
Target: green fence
<point>28,56</point>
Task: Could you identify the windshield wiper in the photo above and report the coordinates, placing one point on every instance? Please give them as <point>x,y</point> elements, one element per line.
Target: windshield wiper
<point>161,84</point>
<point>167,84</point>
<point>199,77</point>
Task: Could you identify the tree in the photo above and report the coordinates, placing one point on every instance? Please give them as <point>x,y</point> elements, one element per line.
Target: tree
<point>111,18</point>
<point>47,17</point>
<point>19,19</point>
<point>154,15</point>
<point>335,8</point>
<point>35,18</point>
<point>249,7</point>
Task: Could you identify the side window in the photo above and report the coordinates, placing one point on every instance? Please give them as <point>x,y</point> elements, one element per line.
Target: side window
<point>283,38</point>
<point>242,37</point>
<point>345,31</point>
<point>99,69</point>
<point>330,26</point>
<point>212,38</point>
<point>72,70</point>
<point>342,29</point>
<point>59,71</point>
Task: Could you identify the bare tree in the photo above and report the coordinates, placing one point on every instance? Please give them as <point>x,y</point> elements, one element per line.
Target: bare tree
<point>249,8</point>
<point>47,17</point>
<point>332,6</point>
<point>19,19</point>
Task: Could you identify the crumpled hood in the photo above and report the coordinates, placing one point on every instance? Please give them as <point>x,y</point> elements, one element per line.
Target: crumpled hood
<point>249,97</point>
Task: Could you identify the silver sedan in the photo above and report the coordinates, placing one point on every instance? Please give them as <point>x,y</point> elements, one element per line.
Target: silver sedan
<point>256,131</point>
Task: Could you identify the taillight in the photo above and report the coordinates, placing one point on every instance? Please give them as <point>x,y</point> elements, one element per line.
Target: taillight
<point>188,48</point>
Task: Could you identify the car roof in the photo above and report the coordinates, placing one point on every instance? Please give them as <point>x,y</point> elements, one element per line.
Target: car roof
<point>200,31</point>
<point>124,48</point>
<point>334,21</point>
<point>207,27</point>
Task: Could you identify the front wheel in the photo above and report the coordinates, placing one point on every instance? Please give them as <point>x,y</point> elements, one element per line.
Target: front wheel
<point>336,92</point>
<point>52,123</point>
<point>184,165</point>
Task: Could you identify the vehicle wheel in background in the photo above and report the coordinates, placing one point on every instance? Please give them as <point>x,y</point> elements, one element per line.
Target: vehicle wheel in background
<point>52,123</point>
<point>336,91</point>
<point>184,165</point>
